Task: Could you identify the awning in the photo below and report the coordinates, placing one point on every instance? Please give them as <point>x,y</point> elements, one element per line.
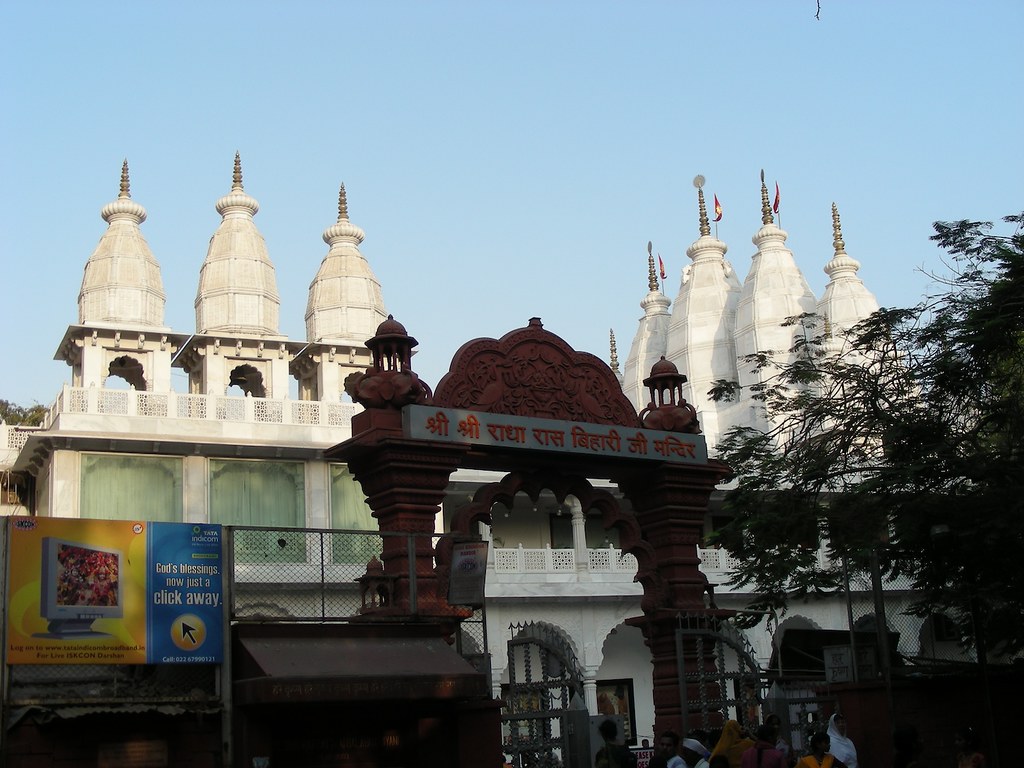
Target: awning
<point>320,669</point>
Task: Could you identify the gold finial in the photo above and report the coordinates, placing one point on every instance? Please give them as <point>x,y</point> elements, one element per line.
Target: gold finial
<point>236,178</point>
<point>705,227</point>
<point>652,277</point>
<point>342,204</point>
<point>766,207</point>
<point>614,351</point>
<point>837,232</point>
<point>125,184</point>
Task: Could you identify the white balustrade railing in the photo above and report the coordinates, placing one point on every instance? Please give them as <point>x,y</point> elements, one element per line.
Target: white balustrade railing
<point>604,560</point>
<point>254,410</point>
<point>13,438</point>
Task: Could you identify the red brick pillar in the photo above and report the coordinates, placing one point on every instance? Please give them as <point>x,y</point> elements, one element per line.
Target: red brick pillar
<point>404,482</point>
<point>670,502</point>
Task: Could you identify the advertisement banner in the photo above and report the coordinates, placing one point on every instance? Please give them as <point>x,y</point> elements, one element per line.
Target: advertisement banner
<point>113,592</point>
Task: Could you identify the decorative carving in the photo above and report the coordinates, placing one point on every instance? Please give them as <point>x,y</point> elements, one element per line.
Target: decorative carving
<point>532,372</point>
<point>390,382</point>
<point>672,413</point>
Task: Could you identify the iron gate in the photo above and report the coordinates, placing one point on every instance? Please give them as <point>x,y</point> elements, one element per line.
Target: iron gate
<point>544,679</point>
<point>727,680</point>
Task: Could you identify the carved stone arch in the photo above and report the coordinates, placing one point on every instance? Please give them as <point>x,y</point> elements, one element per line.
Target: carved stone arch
<point>562,486</point>
<point>130,369</point>
<point>248,378</point>
<point>532,372</point>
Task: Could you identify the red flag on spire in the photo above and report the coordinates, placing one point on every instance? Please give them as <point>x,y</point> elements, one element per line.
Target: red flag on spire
<point>718,209</point>
<point>775,207</point>
<point>661,266</point>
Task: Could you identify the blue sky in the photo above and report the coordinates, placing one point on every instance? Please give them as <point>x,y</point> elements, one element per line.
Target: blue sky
<point>506,160</point>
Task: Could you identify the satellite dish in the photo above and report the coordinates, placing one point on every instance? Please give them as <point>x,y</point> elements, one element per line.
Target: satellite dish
<point>649,247</point>
<point>698,181</point>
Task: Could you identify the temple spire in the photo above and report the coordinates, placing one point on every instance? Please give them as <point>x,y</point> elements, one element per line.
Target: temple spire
<point>837,232</point>
<point>652,276</point>
<point>236,178</point>
<point>766,207</point>
<point>841,264</point>
<point>125,183</point>
<point>342,204</point>
<point>614,352</point>
<point>705,227</point>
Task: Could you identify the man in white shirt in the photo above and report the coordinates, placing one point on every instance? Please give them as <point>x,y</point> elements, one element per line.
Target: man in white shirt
<point>694,754</point>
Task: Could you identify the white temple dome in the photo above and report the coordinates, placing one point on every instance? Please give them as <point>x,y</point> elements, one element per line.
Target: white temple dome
<point>237,285</point>
<point>345,302</point>
<point>122,283</point>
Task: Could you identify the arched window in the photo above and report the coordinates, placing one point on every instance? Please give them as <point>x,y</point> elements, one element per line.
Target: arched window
<point>129,369</point>
<point>249,380</point>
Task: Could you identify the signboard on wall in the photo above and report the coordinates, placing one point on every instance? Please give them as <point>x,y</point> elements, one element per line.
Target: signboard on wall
<point>113,592</point>
<point>469,569</point>
<point>451,425</point>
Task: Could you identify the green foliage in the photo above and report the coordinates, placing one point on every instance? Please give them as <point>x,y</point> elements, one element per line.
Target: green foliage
<point>909,439</point>
<point>17,414</point>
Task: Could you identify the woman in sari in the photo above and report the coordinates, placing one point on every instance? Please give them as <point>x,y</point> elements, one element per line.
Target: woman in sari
<point>842,747</point>
<point>732,744</point>
<point>820,757</point>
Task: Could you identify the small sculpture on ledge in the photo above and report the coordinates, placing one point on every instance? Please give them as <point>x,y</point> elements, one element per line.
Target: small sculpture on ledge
<point>375,587</point>
<point>668,410</point>
<point>390,382</point>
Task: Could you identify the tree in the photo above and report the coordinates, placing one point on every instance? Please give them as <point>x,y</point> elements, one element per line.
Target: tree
<point>908,442</point>
<point>15,414</point>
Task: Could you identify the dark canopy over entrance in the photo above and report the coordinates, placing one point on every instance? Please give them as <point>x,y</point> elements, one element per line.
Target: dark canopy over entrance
<point>298,667</point>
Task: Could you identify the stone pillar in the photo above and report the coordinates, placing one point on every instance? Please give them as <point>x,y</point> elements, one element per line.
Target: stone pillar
<point>404,482</point>
<point>590,689</point>
<point>579,533</point>
<point>670,502</point>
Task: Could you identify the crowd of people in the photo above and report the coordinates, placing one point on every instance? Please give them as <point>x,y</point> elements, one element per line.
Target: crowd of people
<point>767,748</point>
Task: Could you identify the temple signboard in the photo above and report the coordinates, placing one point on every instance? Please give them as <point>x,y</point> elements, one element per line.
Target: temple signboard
<point>495,429</point>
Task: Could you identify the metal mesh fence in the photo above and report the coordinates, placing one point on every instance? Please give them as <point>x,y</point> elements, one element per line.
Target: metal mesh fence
<point>922,640</point>
<point>289,574</point>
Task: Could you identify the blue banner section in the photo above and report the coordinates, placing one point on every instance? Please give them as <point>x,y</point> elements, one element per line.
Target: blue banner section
<point>185,597</point>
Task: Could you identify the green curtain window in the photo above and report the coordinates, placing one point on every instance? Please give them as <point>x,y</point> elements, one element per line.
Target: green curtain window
<point>350,512</point>
<point>261,493</point>
<point>119,487</point>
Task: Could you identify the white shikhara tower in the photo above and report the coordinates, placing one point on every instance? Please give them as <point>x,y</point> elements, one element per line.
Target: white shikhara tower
<point>649,342</point>
<point>715,321</point>
<point>237,285</point>
<point>120,330</point>
<point>846,300</point>
<point>344,309</point>
<point>237,342</point>
<point>700,337</point>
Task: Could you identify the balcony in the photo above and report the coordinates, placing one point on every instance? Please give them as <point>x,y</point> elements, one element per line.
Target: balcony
<point>522,571</point>
<point>220,408</point>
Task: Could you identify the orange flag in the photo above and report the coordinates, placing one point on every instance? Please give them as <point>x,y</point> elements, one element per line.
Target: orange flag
<point>718,209</point>
<point>775,207</point>
<point>661,266</point>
